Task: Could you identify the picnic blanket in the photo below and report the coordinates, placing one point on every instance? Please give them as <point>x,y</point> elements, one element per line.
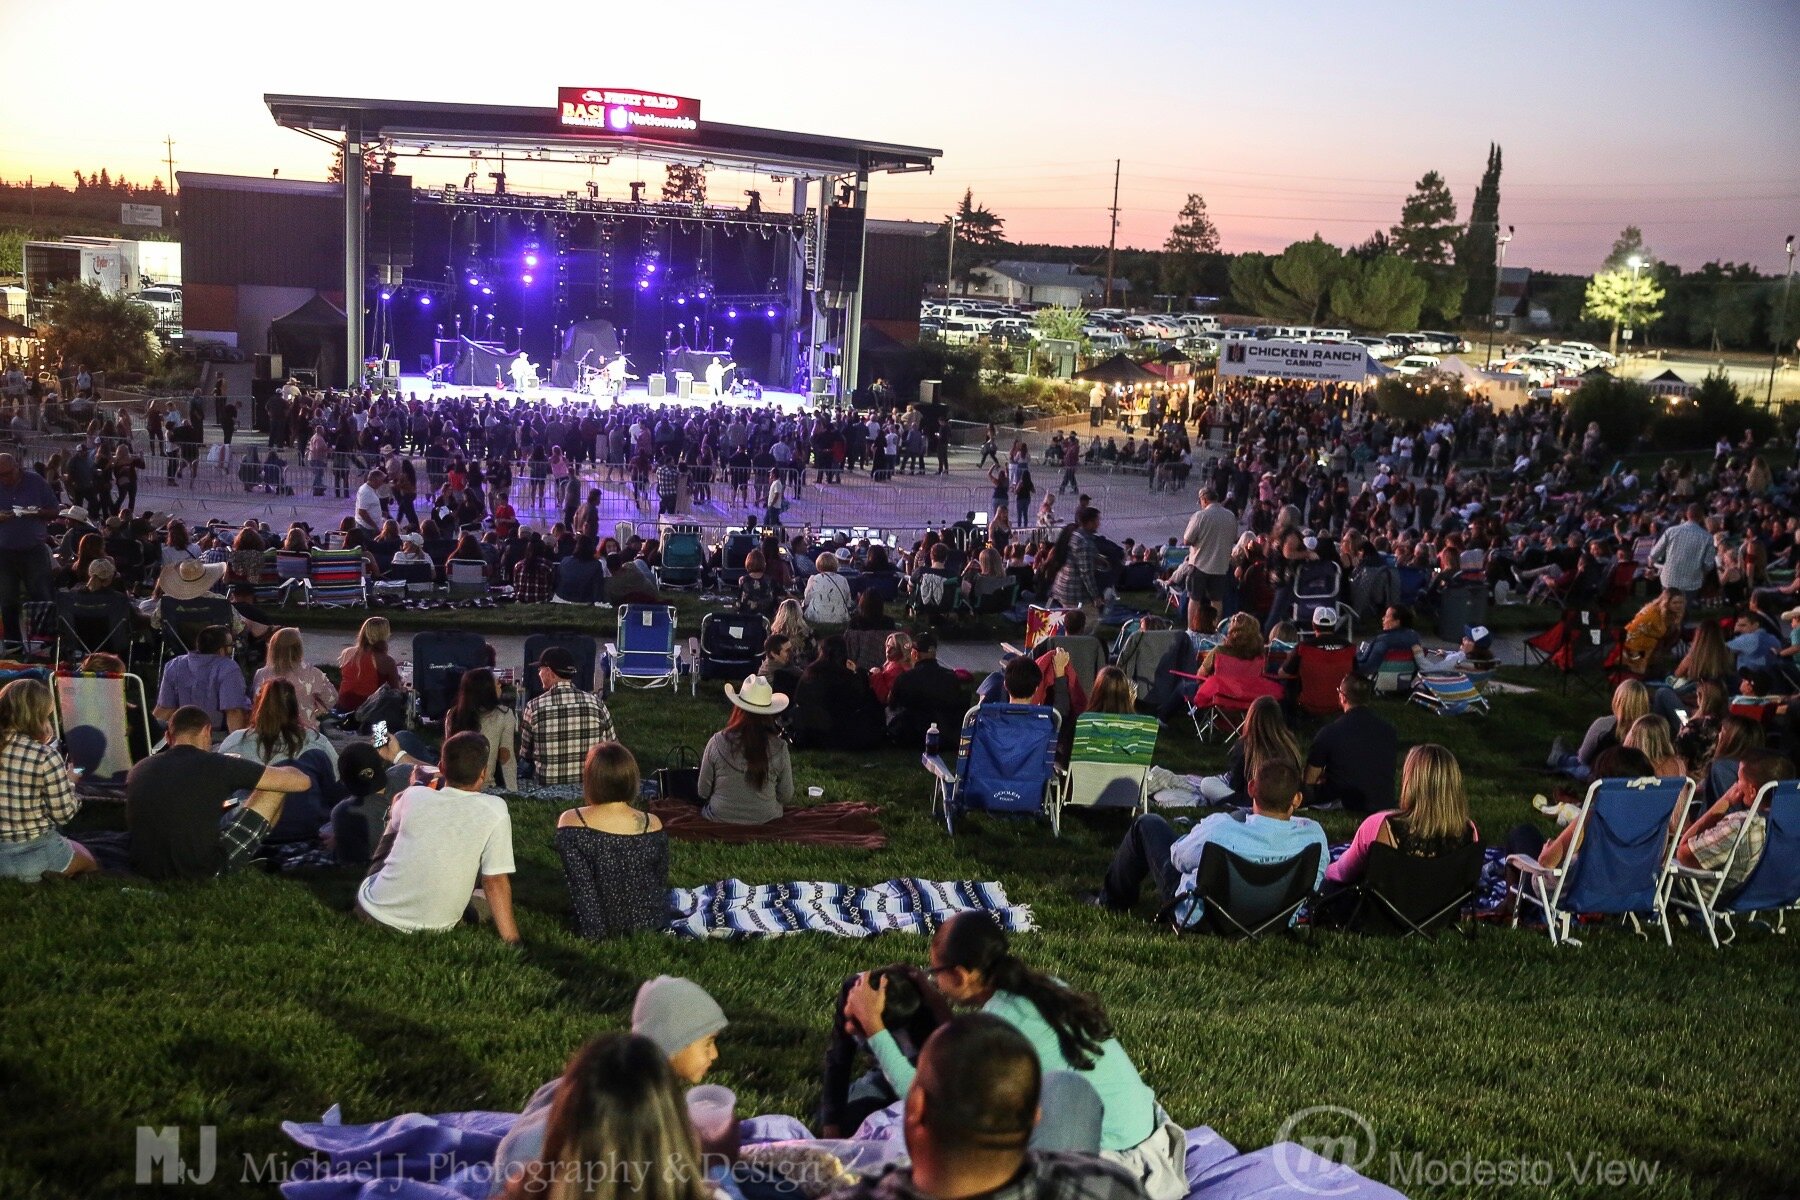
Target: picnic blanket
<point>845,824</point>
<point>450,1156</point>
<point>732,910</point>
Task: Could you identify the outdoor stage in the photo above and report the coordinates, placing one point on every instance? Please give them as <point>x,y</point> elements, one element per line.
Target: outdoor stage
<point>424,388</point>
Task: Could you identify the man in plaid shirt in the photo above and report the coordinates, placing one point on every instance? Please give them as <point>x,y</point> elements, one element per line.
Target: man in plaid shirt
<point>562,723</point>
<point>1708,842</point>
<point>1077,584</point>
<point>969,1128</point>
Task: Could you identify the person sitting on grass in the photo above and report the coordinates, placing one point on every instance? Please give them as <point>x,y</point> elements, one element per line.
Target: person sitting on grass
<point>1351,762</point>
<point>366,666</point>
<point>746,777</point>
<point>778,664</point>
<point>928,694</point>
<point>1433,817</point>
<point>174,797</point>
<point>676,1016</point>
<point>1654,630</point>
<point>834,705</point>
<point>897,660</point>
<point>1707,844</point>
<point>276,735</point>
<point>1630,700</point>
<point>560,723</point>
<point>37,791</point>
<point>1268,832</point>
<point>287,660</point>
<point>1650,736</point>
<point>1058,1027</point>
<point>444,848</point>
<point>207,678</point>
<point>912,1011</point>
<point>615,856</point>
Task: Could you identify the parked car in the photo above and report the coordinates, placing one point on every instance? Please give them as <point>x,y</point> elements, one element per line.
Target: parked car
<point>1378,348</point>
<point>1413,364</point>
<point>1407,343</point>
<point>1012,329</point>
<point>1449,343</point>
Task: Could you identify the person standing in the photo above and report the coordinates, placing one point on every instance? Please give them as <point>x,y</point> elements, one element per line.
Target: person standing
<point>1077,583</point>
<point>1685,553</point>
<point>1071,458</point>
<point>26,503</point>
<point>1211,533</point>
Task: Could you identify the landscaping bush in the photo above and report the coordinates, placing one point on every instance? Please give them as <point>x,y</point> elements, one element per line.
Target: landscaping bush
<point>1623,411</point>
<point>1420,398</point>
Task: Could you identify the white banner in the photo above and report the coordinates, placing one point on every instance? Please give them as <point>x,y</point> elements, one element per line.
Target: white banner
<point>141,214</point>
<point>1294,360</point>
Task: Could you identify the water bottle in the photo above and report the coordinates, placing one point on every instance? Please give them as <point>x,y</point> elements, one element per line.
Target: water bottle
<point>931,740</point>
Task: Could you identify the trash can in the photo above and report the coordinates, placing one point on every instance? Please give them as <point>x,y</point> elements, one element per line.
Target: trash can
<point>1460,606</point>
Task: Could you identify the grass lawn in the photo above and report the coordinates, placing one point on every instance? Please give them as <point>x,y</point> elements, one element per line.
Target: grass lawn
<point>252,1000</point>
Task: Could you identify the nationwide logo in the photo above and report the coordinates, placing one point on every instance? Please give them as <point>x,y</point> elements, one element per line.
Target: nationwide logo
<point>627,112</point>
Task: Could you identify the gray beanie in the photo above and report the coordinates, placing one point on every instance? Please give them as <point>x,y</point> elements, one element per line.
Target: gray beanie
<point>674,1012</point>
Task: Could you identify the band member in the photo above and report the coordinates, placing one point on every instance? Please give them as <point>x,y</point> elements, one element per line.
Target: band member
<point>524,373</point>
<point>715,376</point>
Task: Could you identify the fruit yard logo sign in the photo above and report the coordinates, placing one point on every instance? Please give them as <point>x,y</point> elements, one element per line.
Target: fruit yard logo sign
<point>613,110</point>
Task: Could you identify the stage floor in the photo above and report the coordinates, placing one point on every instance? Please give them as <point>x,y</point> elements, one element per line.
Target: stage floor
<point>419,385</point>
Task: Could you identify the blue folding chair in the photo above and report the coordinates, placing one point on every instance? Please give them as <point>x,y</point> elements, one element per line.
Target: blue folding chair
<point>681,558</point>
<point>1773,885</point>
<point>1006,764</point>
<point>646,656</point>
<point>1619,862</point>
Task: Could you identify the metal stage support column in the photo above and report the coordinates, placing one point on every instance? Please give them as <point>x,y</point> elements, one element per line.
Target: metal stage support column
<point>853,311</point>
<point>818,375</point>
<point>354,266</point>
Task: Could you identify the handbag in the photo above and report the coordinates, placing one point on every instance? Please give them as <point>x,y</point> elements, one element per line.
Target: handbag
<point>679,777</point>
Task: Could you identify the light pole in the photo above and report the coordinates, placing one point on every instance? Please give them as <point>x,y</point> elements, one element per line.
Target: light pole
<point>1636,263</point>
<point>950,260</point>
<point>1787,283</point>
<point>1499,271</point>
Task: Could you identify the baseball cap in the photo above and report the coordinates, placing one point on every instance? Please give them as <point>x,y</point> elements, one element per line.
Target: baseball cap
<point>1481,637</point>
<point>362,768</point>
<point>558,660</point>
<point>1324,618</point>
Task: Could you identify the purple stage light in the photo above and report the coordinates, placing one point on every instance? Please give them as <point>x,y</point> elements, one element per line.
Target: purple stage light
<point>681,299</point>
<point>643,283</point>
<point>487,291</point>
<point>425,301</point>
<point>387,295</point>
<point>527,278</point>
<point>650,268</point>
<point>769,312</point>
<point>531,260</point>
<point>731,314</point>
<point>473,281</point>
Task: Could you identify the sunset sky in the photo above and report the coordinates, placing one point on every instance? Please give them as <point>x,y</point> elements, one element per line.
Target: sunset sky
<point>1680,117</point>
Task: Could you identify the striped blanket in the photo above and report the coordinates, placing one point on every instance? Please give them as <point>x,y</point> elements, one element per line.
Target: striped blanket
<point>733,910</point>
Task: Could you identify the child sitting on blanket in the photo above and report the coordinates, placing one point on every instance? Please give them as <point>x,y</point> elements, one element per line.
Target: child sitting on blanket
<point>912,1009</point>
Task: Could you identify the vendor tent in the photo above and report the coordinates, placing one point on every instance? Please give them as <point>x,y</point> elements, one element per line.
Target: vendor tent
<point>312,337</point>
<point>10,328</point>
<point>1669,384</point>
<point>1118,369</point>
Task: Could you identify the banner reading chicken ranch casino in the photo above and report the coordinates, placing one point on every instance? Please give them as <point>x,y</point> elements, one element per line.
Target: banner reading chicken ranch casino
<point>1294,360</point>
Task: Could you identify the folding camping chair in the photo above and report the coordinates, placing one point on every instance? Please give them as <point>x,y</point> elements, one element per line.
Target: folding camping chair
<point>645,655</point>
<point>1086,655</point>
<point>413,580</point>
<point>1451,695</point>
<point>1108,766</point>
<point>1417,897</point>
<point>1412,584</point>
<point>731,644</point>
<point>466,579</point>
<point>1574,648</point>
<point>1142,654</point>
<point>94,717</point>
<point>1619,860</point>
<point>1395,674</point>
<point>1236,684</point>
<point>1317,584</point>
<point>1006,763</point>
<point>585,649</point>
<point>681,558</point>
<point>182,621</point>
<point>294,569</point>
<point>439,659</point>
<point>334,579</point>
<point>1238,898</point>
<point>1322,672</point>
<point>732,553</point>
<point>1773,885</point>
<point>271,587</point>
<point>93,623</point>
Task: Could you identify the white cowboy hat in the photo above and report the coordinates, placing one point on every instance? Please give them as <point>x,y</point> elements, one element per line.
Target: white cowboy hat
<point>190,578</point>
<point>75,512</point>
<point>756,696</point>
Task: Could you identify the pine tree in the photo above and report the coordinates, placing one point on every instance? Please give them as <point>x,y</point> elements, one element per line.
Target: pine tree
<point>980,231</point>
<point>1627,246</point>
<point>1475,251</point>
<point>1427,231</point>
<point>1187,248</point>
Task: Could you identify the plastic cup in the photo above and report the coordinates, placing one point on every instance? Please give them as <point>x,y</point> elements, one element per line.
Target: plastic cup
<point>815,792</point>
<point>712,1109</point>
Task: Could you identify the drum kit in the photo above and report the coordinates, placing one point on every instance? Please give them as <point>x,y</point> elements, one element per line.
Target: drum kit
<point>607,381</point>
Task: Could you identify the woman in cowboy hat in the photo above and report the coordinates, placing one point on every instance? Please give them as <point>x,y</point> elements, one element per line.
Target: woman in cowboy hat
<point>746,777</point>
<point>188,579</point>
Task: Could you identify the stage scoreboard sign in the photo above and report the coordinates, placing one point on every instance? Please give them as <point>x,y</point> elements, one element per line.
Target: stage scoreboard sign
<point>621,111</point>
<point>1294,360</point>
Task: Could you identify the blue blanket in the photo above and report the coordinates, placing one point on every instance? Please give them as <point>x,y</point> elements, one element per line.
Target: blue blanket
<point>734,910</point>
<point>450,1157</point>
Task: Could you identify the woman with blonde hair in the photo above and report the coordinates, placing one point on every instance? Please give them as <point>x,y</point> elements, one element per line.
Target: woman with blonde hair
<point>287,660</point>
<point>898,658</point>
<point>1630,700</point>
<point>367,665</point>
<point>1433,817</point>
<point>37,791</point>
<point>1650,737</point>
<point>790,621</point>
<point>828,600</point>
<point>1657,627</point>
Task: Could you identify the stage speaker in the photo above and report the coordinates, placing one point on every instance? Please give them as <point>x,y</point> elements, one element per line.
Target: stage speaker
<point>659,385</point>
<point>684,385</point>
<point>261,392</point>
<point>843,249</point>
<point>390,242</point>
<point>268,366</point>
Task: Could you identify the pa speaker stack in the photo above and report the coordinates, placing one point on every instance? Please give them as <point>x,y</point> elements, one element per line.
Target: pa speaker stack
<point>843,249</point>
<point>390,242</point>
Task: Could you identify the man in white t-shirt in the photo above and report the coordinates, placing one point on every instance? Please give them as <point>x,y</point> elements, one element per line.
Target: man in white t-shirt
<point>440,843</point>
<point>368,501</point>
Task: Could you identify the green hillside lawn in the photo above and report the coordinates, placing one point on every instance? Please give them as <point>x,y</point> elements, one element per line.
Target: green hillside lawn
<point>245,1002</point>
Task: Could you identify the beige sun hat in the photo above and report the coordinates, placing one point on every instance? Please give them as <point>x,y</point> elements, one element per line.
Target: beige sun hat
<point>756,696</point>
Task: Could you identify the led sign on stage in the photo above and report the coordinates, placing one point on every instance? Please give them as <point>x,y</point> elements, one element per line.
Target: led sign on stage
<point>617,111</point>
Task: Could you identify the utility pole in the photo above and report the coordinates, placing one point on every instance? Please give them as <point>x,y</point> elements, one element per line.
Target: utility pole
<point>1499,271</point>
<point>1112,239</point>
<point>950,263</point>
<point>1787,282</point>
<point>169,144</point>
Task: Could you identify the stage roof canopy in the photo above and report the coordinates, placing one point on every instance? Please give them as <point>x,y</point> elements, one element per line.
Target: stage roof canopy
<point>423,126</point>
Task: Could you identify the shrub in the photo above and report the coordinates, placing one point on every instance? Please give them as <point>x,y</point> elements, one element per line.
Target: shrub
<point>1416,399</point>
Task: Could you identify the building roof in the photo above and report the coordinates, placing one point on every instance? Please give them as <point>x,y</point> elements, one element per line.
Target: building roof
<point>517,129</point>
<point>1043,274</point>
<point>256,183</point>
<point>920,229</point>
